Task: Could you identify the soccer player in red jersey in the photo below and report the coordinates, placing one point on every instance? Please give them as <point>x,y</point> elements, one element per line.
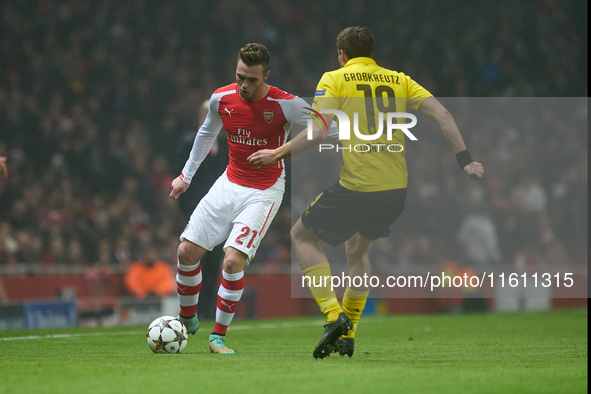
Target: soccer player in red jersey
<point>242,203</point>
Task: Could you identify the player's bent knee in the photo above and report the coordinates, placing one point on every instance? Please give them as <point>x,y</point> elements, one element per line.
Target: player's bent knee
<point>234,261</point>
<point>189,253</point>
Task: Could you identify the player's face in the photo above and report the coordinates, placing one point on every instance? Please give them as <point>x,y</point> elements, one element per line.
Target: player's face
<point>250,80</point>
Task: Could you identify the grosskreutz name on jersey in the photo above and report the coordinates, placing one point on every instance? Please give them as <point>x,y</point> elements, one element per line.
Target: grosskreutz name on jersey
<point>369,77</point>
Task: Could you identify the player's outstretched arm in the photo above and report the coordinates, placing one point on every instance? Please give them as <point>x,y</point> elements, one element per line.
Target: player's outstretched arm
<point>178,187</point>
<point>204,140</point>
<point>434,109</point>
<point>3,167</point>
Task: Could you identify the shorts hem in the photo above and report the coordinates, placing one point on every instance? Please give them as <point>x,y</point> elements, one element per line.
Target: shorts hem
<point>200,244</point>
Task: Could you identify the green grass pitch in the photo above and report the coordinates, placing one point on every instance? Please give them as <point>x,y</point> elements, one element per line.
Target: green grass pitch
<point>541,352</point>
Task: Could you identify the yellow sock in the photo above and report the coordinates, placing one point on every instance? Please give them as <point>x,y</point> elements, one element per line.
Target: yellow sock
<point>353,304</point>
<point>319,282</point>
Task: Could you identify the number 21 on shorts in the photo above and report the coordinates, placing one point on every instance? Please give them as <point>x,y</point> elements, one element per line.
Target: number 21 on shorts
<point>244,232</point>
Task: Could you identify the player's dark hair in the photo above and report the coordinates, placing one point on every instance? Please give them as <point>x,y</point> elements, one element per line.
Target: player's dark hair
<point>355,41</point>
<point>254,54</point>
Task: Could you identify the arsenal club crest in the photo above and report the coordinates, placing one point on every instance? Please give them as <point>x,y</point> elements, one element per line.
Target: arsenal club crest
<point>268,115</point>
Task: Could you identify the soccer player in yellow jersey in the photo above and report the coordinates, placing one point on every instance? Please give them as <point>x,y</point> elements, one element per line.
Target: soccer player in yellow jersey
<point>369,196</point>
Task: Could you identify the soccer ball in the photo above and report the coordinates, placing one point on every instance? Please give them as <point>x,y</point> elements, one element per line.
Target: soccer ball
<point>167,334</point>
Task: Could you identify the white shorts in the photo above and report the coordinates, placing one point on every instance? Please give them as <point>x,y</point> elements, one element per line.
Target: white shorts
<point>240,215</point>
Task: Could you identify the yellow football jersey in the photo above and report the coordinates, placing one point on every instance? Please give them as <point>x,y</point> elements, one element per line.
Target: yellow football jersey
<point>362,89</point>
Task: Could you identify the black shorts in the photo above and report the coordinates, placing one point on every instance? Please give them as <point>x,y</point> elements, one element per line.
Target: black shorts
<point>338,213</point>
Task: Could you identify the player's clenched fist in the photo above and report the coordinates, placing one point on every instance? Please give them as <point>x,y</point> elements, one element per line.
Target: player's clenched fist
<point>178,187</point>
<point>475,170</point>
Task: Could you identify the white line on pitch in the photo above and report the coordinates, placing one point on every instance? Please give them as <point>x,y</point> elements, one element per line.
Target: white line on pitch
<point>89,334</point>
<point>312,323</point>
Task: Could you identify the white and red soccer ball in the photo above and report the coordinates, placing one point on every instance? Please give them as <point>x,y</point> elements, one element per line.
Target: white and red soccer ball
<point>167,334</point>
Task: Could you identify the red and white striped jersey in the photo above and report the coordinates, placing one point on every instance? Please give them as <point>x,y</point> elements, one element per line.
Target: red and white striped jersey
<point>250,126</point>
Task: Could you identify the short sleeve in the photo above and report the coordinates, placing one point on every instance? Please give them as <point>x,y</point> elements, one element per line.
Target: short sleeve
<point>416,93</point>
<point>326,95</point>
<point>299,112</point>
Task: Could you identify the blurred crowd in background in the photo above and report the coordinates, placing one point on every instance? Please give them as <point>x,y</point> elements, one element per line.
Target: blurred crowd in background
<point>96,96</point>
<point>530,209</point>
